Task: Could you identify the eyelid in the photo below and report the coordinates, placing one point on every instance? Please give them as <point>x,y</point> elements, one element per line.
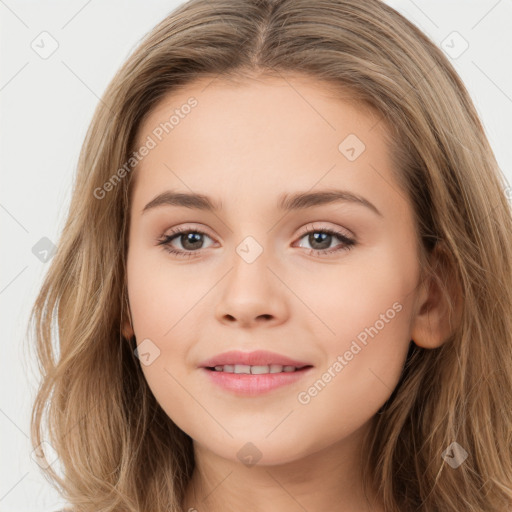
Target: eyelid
<point>314,226</point>
<point>183,228</point>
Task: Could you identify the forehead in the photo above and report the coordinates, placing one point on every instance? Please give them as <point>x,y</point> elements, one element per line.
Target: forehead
<point>268,103</point>
<point>260,136</point>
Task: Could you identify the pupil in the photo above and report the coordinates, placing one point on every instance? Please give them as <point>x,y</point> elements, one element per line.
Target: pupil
<point>313,238</point>
<point>191,238</point>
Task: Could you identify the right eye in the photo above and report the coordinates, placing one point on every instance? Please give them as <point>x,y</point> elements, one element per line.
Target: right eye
<point>190,239</point>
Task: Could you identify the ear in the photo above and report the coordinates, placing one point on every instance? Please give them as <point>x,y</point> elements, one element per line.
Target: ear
<point>438,308</point>
<point>126,320</point>
<point>127,330</point>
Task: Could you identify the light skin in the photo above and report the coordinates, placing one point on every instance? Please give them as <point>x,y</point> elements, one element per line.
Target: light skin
<point>245,145</point>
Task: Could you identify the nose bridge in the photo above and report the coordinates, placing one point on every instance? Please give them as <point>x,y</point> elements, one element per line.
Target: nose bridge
<point>251,235</point>
<point>249,265</point>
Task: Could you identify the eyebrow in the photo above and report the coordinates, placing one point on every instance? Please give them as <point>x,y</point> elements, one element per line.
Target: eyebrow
<point>287,202</point>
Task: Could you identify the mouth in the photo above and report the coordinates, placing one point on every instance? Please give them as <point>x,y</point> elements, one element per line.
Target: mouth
<point>256,369</point>
<point>246,380</point>
<point>253,373</point>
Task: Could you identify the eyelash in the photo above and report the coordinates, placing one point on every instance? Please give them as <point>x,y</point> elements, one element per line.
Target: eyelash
<point>165,241</point>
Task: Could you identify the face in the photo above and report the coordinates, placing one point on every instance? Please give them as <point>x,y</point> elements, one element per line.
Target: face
<point>327,280</point>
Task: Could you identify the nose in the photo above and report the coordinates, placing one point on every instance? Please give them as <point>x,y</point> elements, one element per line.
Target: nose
<point>252,295</point>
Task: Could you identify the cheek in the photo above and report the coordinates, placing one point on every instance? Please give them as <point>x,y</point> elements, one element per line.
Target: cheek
<point>165,300</point>
<point>363,317</point>
<point>364,357</point>
<point>162,294</point>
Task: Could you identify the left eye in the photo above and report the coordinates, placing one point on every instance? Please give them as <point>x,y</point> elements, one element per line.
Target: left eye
<point>192,240</point>
<point>324,237</point>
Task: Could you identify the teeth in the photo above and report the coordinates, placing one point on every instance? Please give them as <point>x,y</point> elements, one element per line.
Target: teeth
<point>259,369</point>
<point>255,370</point>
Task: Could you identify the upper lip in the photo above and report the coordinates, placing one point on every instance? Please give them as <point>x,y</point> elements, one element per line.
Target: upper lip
<point>256,358</point>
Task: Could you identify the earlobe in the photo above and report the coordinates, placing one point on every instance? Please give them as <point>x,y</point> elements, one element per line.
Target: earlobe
<point>127,330</point>
<point>439,304</point>
<point>126,320</point>
<point>429,327</point>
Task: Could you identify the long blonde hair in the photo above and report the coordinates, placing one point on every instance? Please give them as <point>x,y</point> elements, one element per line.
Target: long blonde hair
<point>118,450</point>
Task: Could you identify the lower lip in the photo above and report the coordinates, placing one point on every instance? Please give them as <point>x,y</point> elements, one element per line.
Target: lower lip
<point>249,384</point>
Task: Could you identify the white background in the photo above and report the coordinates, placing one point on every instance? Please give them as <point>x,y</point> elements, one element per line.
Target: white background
<point>46,106</point>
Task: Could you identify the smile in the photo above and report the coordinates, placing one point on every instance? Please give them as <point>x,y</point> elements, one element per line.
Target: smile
<point>254,370</point>
<point>254,380</point>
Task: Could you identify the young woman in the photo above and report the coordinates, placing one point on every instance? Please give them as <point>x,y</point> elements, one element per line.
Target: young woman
<point>285,281</point>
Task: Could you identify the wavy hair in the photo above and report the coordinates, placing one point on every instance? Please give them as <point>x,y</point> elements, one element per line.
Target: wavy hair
<point>118,450</point>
